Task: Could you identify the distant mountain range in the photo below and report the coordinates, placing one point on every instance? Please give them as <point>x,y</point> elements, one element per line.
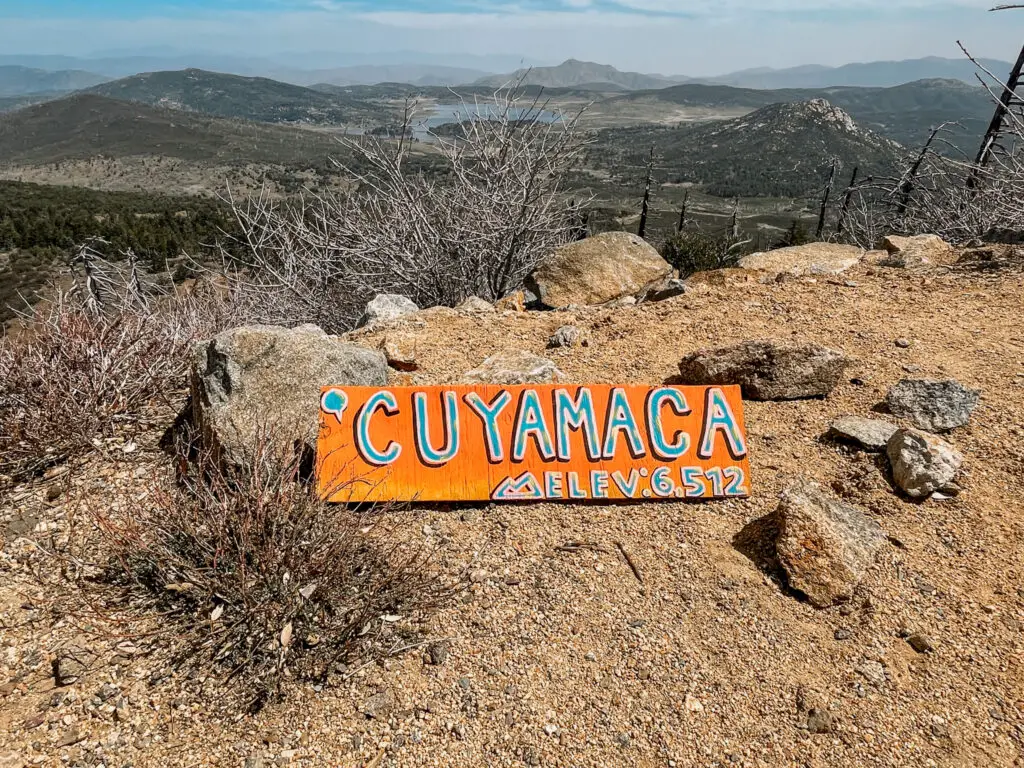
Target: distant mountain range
<point>21,81</point>
<point>880,74</point>
<point>423,69</point>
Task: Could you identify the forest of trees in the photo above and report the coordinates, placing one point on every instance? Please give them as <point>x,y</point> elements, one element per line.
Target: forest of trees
<point>41,226</point>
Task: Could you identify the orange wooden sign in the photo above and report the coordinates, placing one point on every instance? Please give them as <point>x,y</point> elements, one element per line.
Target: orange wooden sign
<point>531,443</point>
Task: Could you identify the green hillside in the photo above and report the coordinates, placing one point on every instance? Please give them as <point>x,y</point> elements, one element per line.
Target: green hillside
<point>247,98</point>
<point>782,150</point>
<point>19,81</point>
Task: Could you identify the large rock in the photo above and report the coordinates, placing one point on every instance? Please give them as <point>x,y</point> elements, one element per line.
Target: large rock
<point>824,545</point>
<point>598,270</point>
<point>809,259</point>
<point>515,367</point>
<point>936,406</point>
<point>919,249</point>
<point>387,306</point>
<point>870,434</point>
<point>768,370</point>
<point>921,463</point>
<point>255,378</point>
<point>475,304</point>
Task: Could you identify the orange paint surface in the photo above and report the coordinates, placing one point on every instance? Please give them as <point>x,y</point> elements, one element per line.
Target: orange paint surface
<point>531,443</point>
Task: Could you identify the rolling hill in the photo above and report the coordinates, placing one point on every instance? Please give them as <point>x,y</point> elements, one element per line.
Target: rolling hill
<point>781,150</point>
<point>904,113</point>
<point>574,74</point>
<point>21,81</point>
<point>89,125</point>
<point>247,98</point>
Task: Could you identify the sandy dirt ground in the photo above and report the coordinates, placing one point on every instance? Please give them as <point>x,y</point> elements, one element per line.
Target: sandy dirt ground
<point>566,658</point>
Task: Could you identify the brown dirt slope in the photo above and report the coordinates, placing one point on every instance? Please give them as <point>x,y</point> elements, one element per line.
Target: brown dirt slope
<point>566,659</point>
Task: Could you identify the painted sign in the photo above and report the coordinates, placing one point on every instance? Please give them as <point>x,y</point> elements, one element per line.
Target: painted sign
<point>531,443</point>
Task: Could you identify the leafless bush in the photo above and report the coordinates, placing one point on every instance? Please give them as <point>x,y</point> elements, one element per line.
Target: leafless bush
<point>946,193</point>
<point>477,229</point>
<point>253,578</point>
<point>93,360</point>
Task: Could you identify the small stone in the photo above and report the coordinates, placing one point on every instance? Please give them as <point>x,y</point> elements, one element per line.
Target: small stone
<point>464,683</point>
<point>873,672</point>
<point>515,367</point>
<point>385,307</point>
<point>437,653</point>
<point>932,405</point>
<point>692,704</point>
<point>566,336</point>
<point>824,545</point>
<point>842,634</point>
<point>903,343</point>
<point>400,355</point>
<point>921,642</point>
<point>254,761</point>
<point>550,729</point>
<point>623,740</point>
<point>475,304</point>
<point>922,463</point>
<point>69,738</point>
<point>380,705</point>
<point>591,656</point>
<point>478,576</point>
<point>820,721</point>
<point>514,302</point>
<point>870,434</point>
<point>768,370</point>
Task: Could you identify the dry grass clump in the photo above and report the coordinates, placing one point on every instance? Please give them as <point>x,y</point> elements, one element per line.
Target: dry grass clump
<point>254,579</point>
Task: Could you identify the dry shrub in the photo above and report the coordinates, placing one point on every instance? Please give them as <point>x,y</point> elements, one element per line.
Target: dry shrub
<point>256,579</point>
<point>74,375</point>
<point>477,229</point>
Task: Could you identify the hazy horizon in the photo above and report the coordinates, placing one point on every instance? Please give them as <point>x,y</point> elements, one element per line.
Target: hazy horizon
<point>696,38</point>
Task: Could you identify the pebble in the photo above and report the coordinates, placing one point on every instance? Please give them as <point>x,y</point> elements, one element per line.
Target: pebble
<point>903,343</point>
<point>843,634</point>
<point>921,642</point>
<point>437,653</point>
<point>550,729</point>
<point>873,672</point>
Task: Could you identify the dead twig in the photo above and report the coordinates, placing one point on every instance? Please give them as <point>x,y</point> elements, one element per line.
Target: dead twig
<point>577,546</point>
<point>629,561</point>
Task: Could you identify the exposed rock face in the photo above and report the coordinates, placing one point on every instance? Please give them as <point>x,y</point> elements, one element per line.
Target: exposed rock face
<point>387,306</point>
<point>514,302</point>
<point>265,378</point>
<point>810,259</point>
<point>825,546</point>
<point>922,463</point>
<point>768,370</point>
<point>935,406</point>
<point>920,249</point>
<point>515,367</point>
<point>597,270</point>
<point>567,336</point>
<point>870,434</point>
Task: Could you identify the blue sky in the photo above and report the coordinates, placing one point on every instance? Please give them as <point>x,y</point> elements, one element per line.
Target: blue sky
<point>695,37</point>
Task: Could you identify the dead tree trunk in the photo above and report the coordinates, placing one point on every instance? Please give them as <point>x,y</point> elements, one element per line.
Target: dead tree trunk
<point>682,213</point>
<point>907,187</point>
<point>846,202</point>
<point>734,226</point>
<point>996,126</point>
<point>642,230</point>
<point>824,202</point>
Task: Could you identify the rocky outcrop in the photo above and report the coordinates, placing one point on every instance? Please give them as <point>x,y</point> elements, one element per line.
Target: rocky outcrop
<point>387,306</point>
<point>932,405</point>
<point>264,381</point>
<point>869,434</point>
<point>922,464</point>
<point>598,270</point>
<point>809,259</point>
<point>768,370</point>
<point>515,367</point>
<point>918,250</point>
<point>824,545</point>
